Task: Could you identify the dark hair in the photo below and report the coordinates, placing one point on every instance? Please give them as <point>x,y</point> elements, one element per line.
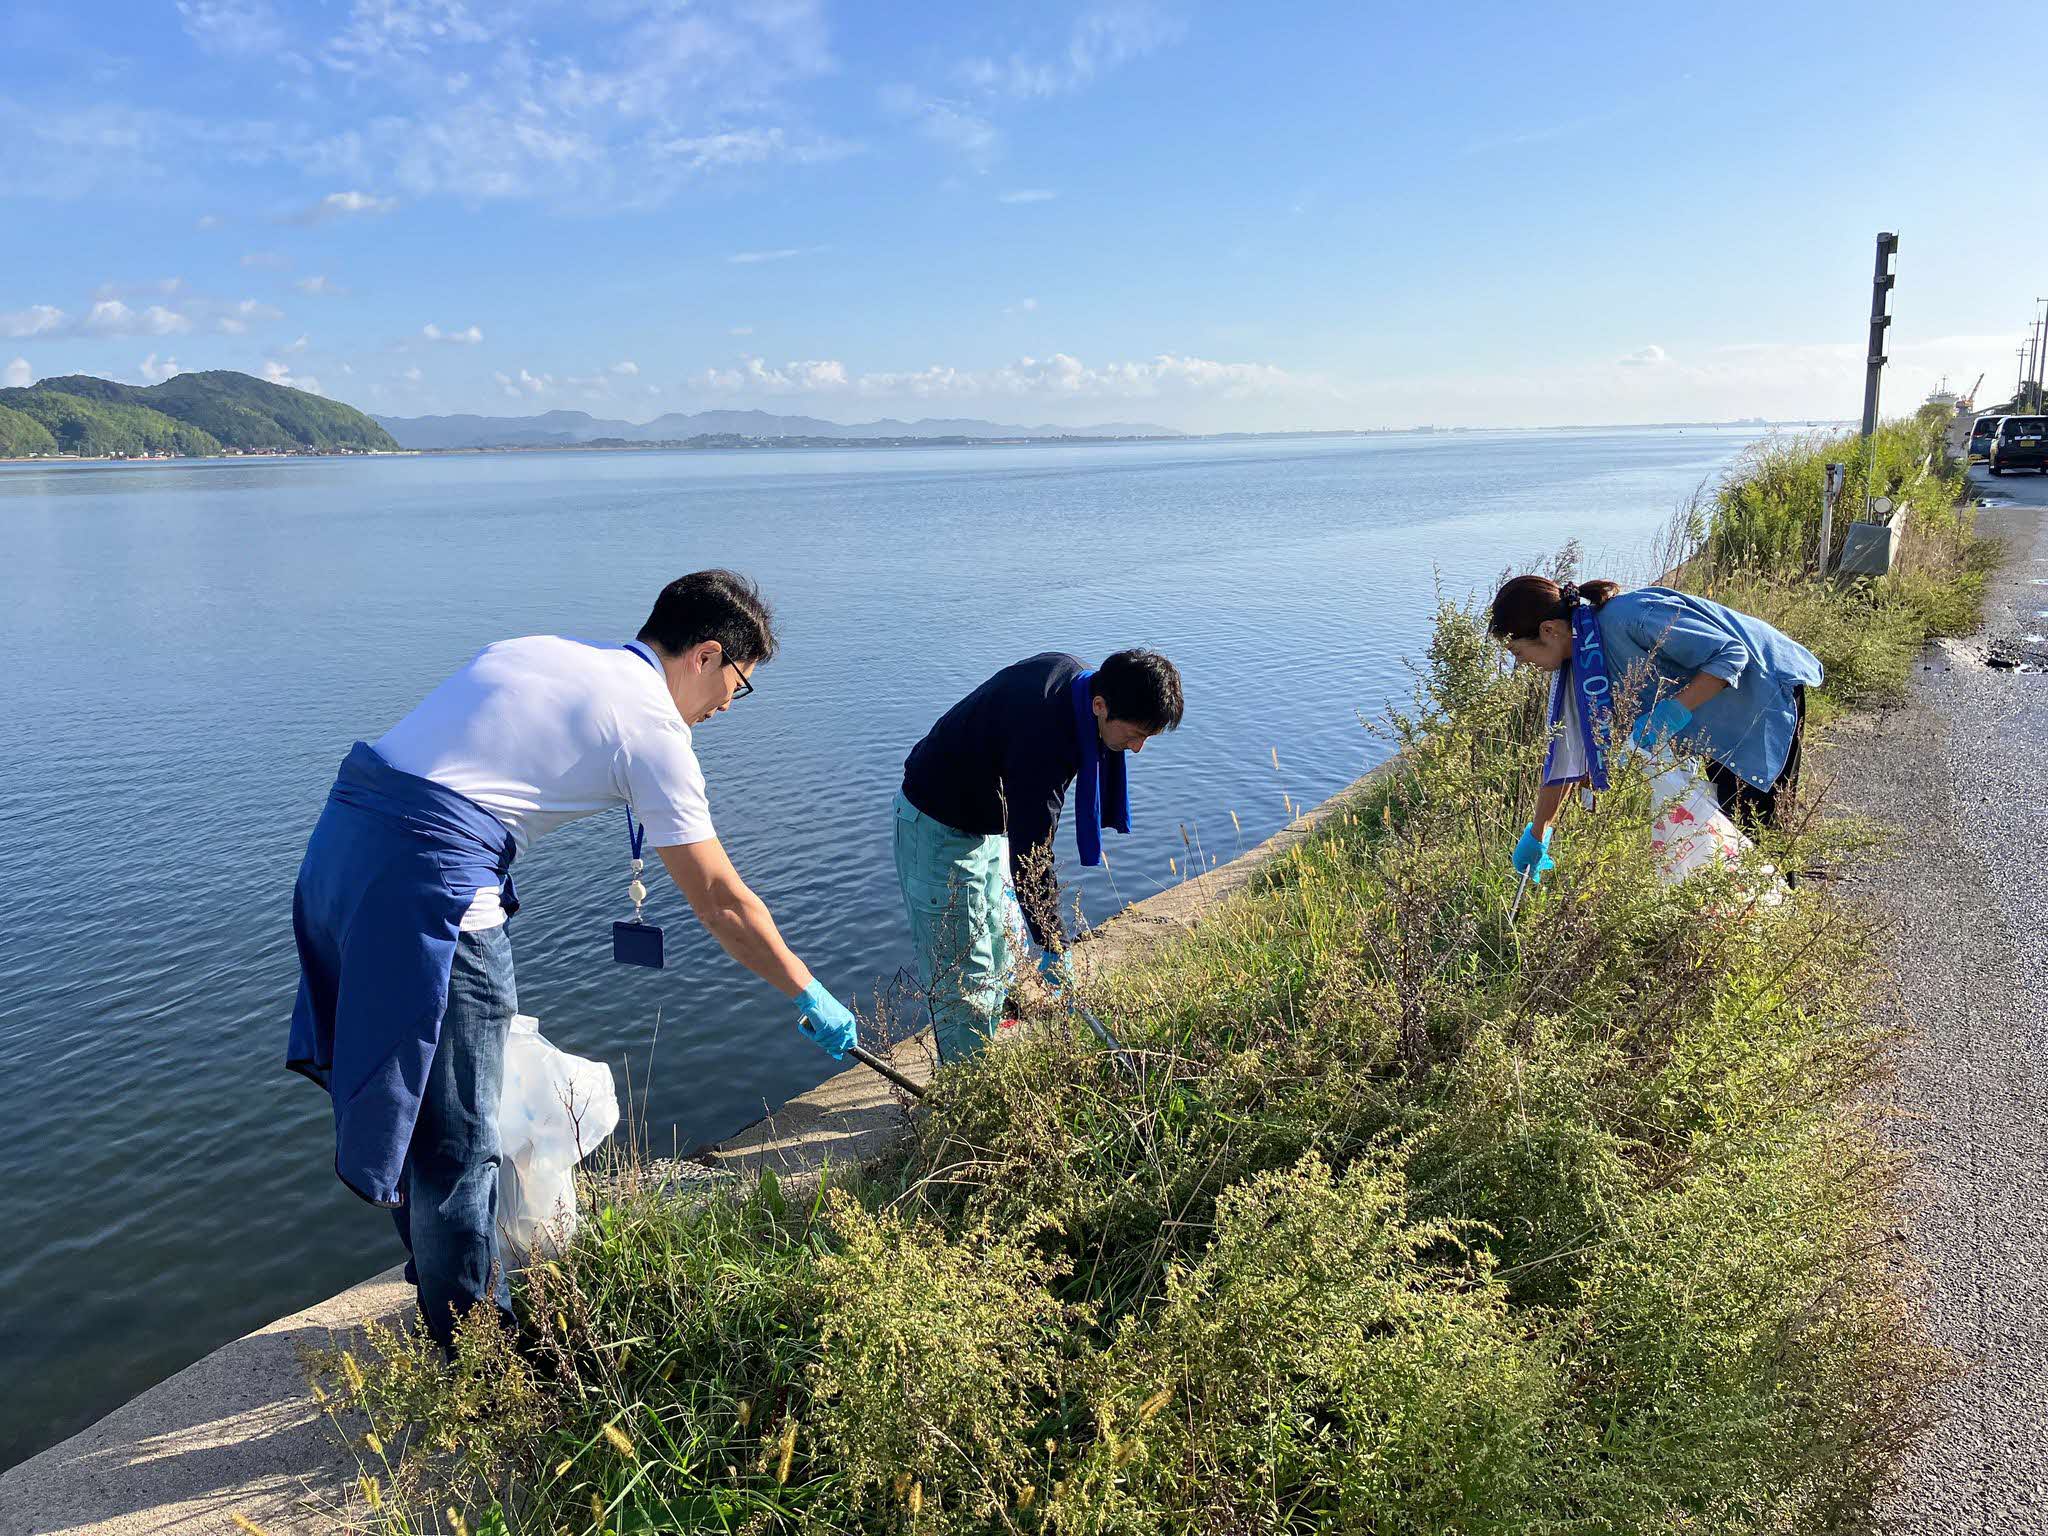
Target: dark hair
<point>1140,688</point>
<point>1521,605</point>
<point>712,605</point>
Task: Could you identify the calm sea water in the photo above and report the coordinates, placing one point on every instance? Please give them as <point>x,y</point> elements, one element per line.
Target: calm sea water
<point>190,649</point>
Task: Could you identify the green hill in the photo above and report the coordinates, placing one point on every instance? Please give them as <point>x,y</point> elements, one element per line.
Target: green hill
<point>22,435</point>
<point>106,428</point>
<point>193,414</point>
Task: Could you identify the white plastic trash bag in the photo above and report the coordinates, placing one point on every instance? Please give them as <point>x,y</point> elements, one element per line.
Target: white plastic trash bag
<point>553,1111</point>
<point>1690,832</point>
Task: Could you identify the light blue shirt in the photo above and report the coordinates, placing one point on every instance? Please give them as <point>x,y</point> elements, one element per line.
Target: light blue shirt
<point>1658,640</point>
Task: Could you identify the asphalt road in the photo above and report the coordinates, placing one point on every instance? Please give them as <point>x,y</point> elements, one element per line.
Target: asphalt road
<point>1958,769</point>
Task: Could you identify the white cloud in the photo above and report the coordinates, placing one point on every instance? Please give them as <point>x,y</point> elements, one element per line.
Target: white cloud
<point>486,101</point>
<point>756,377</point>
<point>752,146</point>
<point>298,346</point>
<point>233,26</point>
<point>320,287</point>
<point>386,35</point>
<point>1646,357</point>
<point>947,122</point>
<point>626,368</point>
<point>1056,378</point>
<point>207,221</point>
<point>267,261</point>
<point>467,337</point>
<point>237,318</point>
<point>114,317</point>
<point>1101,40</point>
<point>111,317</point>
<point>344,205</point>
<point>472,100</point>
<point>1021,307</point>
<point>156,372</point>
<point>17,374</point>
<point>163,287</point>
<point>526,385</point>
<point>277,373</point>
<point>412,375</point>
<point>741,330</point>
<point>1028,195</point>
<point>36,320</point>
<point>751,258</point>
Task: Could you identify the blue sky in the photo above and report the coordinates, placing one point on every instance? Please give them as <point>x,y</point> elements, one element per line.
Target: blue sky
<point>1206,215</point>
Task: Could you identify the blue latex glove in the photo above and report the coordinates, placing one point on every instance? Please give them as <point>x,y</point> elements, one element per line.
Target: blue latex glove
<point>1532,855</point>
<point>1665,721</point>
<point>1052,968</point>
<point>827,1021</point>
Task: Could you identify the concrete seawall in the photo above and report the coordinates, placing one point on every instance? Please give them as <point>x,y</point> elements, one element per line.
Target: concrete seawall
<point>239,1434</point>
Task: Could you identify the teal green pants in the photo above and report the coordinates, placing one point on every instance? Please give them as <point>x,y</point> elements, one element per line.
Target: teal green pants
<point>956,888</point>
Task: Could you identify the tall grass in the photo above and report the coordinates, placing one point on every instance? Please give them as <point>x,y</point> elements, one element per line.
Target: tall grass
<point>1418,1221</point>
<point>1752,542</point>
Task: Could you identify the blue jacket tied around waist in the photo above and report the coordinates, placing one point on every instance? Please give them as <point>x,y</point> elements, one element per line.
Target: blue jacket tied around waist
<point>393,863</point>
<point>1658,639</point>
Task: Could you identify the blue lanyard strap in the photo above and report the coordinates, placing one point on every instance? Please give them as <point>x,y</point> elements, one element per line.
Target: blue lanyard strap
<point>638,835</point>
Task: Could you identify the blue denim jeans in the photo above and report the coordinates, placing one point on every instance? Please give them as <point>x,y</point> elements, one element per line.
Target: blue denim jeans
<point>449,1222</point>
<point>956,894</point>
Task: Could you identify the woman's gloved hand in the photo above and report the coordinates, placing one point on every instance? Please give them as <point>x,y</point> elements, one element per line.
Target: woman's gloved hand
<point>1532,854</point>
<point>827,1021</point>
<point>1665,721</point>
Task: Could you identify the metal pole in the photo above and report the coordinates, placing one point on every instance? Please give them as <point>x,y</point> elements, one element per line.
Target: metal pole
<point>1516,905</point>
<point>2030,368</point>
<point>1116,1048</point>
<point>1880,293</point>
<point>869,1059</point>
<point>1833,478</point>
<point>2020,379</point>
<point>2040,352</point>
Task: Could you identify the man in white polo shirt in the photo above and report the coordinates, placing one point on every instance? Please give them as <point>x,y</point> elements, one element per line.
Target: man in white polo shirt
<point>406,988</point>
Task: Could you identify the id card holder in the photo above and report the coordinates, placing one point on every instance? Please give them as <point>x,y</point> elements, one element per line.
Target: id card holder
<point>637,943</point>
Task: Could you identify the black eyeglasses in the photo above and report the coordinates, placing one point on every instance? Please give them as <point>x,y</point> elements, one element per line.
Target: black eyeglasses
<point>746,683</point>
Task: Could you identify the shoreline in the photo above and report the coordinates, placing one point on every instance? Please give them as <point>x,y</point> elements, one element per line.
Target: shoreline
<point>841,444</point>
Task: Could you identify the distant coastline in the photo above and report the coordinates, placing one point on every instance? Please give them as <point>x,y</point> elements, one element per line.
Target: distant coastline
<point>735,443</point>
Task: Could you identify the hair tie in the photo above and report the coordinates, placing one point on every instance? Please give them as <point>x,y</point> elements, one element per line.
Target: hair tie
<point>1569,597</point>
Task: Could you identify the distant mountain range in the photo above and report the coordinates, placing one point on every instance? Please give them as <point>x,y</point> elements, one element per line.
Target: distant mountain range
<point>556,429</point>
<point>194,415</point>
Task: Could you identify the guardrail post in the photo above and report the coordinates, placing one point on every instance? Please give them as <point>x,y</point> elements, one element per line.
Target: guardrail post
<point>1834,479</point>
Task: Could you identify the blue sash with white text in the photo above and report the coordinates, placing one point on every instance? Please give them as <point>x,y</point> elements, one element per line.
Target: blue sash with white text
<point>1586,676</point>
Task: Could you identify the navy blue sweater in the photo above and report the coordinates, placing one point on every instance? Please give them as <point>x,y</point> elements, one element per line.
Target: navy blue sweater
<point>1000,761</point>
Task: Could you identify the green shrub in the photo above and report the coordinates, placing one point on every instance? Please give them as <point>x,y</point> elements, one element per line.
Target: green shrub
<point>1325,1364</point>
<point>939,1367</point>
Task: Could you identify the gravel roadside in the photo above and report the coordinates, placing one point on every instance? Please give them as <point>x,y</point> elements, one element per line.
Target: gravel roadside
<point>1958,770</point>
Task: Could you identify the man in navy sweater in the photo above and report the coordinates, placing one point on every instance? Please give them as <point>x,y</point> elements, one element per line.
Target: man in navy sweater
<point>999,763</point>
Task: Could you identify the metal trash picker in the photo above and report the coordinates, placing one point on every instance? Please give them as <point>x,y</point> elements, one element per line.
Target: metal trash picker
<point>869,1059</point>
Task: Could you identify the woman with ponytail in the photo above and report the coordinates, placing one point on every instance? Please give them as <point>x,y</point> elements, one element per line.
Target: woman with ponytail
<point>1714,683</point>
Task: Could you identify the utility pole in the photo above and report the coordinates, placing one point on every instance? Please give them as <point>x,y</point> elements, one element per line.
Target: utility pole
<point>2019,381</point>
<point>2040,351</point>
<point>1880,320</point>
